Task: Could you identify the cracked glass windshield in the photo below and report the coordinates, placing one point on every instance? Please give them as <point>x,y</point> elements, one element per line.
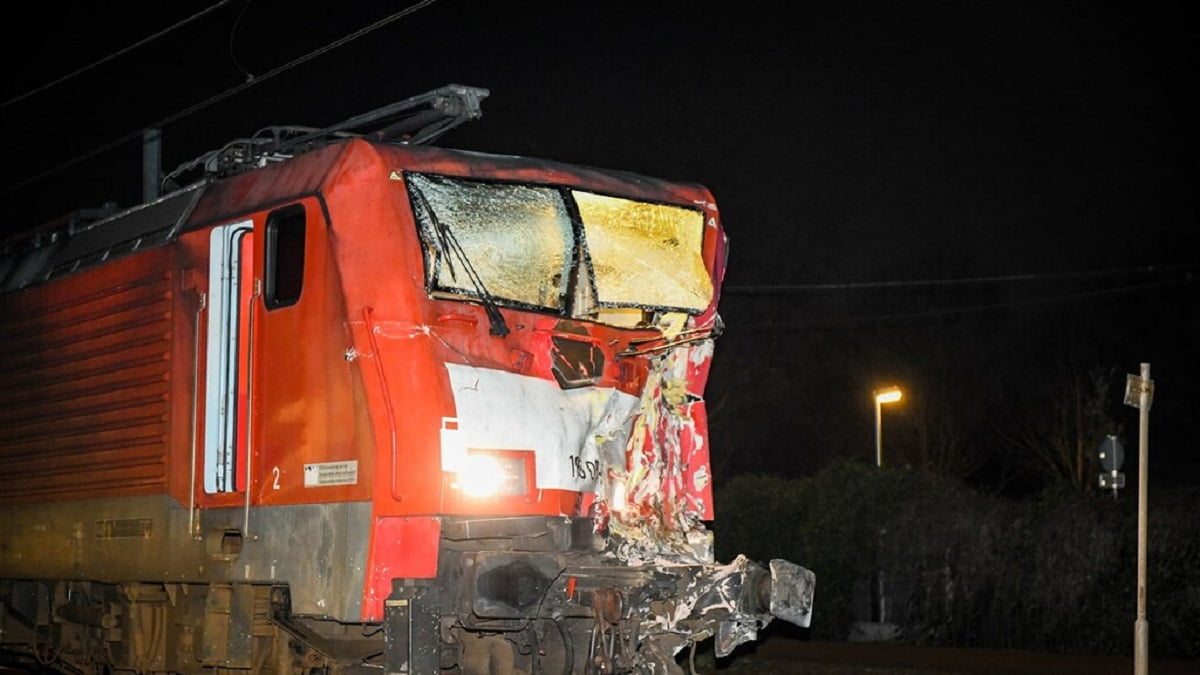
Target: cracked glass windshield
<point>515,244</point>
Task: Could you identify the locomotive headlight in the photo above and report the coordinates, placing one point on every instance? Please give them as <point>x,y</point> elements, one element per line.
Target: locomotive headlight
<point>496,474</point>
<point>480,476</point>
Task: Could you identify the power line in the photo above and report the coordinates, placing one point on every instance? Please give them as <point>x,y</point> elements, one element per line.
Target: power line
<point>110,57</point>
<point>966,309</point>
<point>217,98</point>
<point>784,289</point>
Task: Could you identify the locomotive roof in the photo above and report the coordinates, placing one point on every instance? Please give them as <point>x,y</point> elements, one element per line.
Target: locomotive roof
<point>515,167</point>
<point>252,173</point>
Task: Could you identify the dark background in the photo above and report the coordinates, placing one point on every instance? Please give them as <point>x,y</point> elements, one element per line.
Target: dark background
<point>964,198</point>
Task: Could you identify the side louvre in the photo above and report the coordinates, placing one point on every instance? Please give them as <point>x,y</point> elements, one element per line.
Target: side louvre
<point>85,382</point>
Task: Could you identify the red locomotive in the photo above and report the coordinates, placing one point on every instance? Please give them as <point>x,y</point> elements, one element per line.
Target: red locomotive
<point>349,402</point>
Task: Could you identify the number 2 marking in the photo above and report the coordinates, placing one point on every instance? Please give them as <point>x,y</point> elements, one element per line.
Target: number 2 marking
<point>275,472</point>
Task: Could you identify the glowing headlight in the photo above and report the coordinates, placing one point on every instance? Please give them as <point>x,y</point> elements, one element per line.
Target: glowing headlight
<point>495,474</point>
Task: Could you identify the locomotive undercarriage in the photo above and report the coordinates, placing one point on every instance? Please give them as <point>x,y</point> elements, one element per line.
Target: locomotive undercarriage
<point>89,627</point>
<point>546,595</point>
<point>513,596</point>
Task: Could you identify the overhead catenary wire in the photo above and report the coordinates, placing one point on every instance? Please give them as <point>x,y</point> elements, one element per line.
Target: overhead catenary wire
<point>121,52</point>
<point>827,321</point>
<point>1042,300</point>
<point>785,289</point>
<point>137,134</point>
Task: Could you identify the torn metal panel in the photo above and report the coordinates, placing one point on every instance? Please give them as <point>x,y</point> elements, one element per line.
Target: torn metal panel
<point>567,429</point>
<point>732,602</point>
<point>792,592</point>
<point>658,498</point>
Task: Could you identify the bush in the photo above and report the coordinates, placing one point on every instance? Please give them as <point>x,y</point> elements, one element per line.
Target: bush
<point>1053,573</point>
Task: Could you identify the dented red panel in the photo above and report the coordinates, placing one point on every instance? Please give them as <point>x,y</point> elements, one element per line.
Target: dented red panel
<point>661,498</point>
<point>696,474</point>
<point>697,471</point>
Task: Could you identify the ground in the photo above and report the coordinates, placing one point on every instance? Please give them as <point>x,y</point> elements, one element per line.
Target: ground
<point>783,656</point>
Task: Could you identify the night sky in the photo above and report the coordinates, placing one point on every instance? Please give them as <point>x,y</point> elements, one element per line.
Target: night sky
<point>958,197</point>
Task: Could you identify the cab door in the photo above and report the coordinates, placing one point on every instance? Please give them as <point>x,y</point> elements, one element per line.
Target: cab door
<point>281,425</point>
<point>232,288</point>
<point>254,339</point>
<point>304,429</point>
<point>284,354</point>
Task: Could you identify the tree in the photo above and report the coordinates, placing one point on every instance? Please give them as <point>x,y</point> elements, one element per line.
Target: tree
<point>1062,420</point>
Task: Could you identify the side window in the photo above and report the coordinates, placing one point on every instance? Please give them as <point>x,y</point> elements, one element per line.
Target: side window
<point>284,256</point>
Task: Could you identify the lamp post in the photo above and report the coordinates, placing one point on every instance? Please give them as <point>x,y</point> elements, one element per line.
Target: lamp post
<point>889,394</point>
<point>884,395</point>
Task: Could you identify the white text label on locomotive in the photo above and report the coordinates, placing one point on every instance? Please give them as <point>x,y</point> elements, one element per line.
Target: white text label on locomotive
<point>324,474</point>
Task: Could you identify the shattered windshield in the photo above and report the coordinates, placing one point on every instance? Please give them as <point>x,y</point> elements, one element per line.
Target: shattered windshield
<point>510,242</point>
<point>645,255</point>
<point>516,244</point>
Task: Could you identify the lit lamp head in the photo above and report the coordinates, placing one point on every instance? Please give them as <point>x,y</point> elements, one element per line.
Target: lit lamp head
<point>481,476</point>
<point>888,395</point>
<point>496,473</point>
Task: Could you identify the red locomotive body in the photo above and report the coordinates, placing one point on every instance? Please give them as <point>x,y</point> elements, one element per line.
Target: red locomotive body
<point>351,401</point>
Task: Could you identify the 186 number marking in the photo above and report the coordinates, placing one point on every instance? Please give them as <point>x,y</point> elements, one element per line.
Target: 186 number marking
<point>584,470</point>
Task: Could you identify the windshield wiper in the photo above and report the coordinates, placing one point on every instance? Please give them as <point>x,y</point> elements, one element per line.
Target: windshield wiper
<point>448,243</point>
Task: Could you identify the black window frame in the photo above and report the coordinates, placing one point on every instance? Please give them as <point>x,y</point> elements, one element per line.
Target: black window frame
<point>275,265</point>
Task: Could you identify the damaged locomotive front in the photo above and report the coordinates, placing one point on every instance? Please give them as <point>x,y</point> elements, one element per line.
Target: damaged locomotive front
<point>611,409</point>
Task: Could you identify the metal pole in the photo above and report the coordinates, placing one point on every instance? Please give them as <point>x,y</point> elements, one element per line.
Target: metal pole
<point>1141,627</point>
<point>878,432</point>
<point>877,581</point>
<point>151,163</point>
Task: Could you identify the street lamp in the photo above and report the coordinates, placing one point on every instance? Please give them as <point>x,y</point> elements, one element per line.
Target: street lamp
<point>883,395</point>
<point>889,394</point>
